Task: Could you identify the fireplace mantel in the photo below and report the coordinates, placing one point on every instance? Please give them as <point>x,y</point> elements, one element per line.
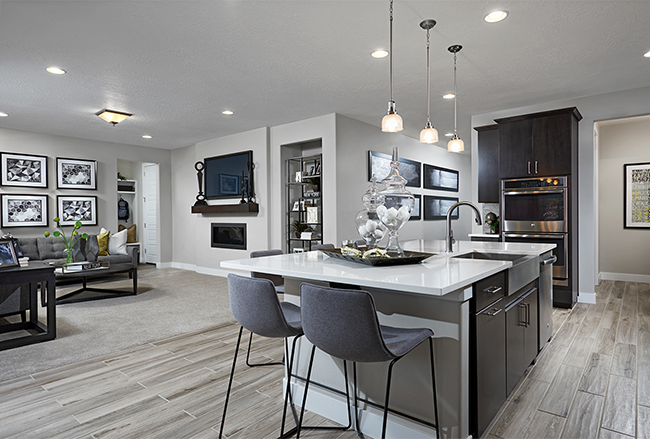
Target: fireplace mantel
<point>227,208</point>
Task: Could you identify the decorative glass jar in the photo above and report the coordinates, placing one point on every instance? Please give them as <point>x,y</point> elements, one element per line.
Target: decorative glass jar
<point>397,207</point>
<point>369,226</point>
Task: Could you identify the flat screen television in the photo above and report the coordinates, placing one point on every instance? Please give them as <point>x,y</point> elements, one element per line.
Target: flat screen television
<point>223,175</point>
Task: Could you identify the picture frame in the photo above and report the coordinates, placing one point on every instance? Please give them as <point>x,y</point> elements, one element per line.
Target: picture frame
<point>438,178</point>
<point>318,169</point>
<point>8,256</point>
<point>296,206</point>
<point>23,170</point>
<point>636,214</point>
<point>229,184</point>
<point>379,165</point>
<point>24,210</point>
<point>435,208</point>
<point>76,174</point>
<point>298,177</point>
<point>73,208</point>
<point>416,213</point>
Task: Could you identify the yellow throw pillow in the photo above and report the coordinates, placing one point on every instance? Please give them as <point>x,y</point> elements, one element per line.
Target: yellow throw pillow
<point>130,235</point>
<point>102,240</point>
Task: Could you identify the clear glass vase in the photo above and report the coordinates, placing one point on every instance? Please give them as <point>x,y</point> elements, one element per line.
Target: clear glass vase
<point>68,256</point>
<point>369,226</point>
<point>397,207</point>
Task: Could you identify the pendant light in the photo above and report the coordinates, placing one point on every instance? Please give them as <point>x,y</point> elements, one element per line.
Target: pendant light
<point>392,122</point>
<point>429,134</point>
<point>455,144</point>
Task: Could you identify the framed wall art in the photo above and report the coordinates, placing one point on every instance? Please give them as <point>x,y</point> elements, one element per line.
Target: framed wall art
<point>379,165</point>
<point>637,196</point>
<point>436,208</point>
<point>441,179</point>
<point>229,184</point>
<point>71,209</point>
<point>24,210</point>
<point>23,170</point>
<point>8,257</point>
<point>416,214</point>
<point>76,174</point>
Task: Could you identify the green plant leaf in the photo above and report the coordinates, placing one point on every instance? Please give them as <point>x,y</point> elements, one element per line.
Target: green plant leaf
<point>57,233</point>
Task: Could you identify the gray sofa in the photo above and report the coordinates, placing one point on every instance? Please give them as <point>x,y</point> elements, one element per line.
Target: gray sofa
<point>14,299</point>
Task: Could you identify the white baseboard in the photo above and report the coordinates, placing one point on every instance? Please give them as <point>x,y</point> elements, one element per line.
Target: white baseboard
<point>642,278</point>
<point>183,266</point>
<point>587,298</point>
<point>164,264</point>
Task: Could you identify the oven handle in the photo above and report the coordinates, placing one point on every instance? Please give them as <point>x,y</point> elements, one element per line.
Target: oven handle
<point>515,235</point>
<point>554,191</point>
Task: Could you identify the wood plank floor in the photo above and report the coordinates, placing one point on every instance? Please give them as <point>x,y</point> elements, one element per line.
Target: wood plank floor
<point>592,381</point>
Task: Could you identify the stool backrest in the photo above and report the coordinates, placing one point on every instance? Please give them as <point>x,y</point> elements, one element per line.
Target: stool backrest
<point>322,246</point>
<point>277,280</point>
<point>255,305</point>
<point>342,323</point>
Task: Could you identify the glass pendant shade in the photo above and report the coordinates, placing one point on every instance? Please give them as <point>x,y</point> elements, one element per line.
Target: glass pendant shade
<point>429,134</point>
<point>392,122</point>
<point>455,144</point>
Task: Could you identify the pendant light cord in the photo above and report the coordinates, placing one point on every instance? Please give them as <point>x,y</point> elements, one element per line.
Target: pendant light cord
<point>455,96</point>
<point>428,82</point>
<point>390,50</point>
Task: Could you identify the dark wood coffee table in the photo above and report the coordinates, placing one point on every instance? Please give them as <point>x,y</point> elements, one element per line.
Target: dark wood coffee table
<point>86,293</point>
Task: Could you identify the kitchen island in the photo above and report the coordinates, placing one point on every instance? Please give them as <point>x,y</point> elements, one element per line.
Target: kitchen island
<point>435,294</point>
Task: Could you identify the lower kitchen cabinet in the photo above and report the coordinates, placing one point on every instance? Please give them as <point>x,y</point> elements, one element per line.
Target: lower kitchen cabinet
<point>521,334</point>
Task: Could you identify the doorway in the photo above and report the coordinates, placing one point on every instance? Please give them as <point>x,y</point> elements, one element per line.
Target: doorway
<point>150,212</point>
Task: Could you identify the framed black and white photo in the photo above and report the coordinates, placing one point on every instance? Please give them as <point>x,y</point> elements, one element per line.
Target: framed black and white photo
<point>637,196</point>
<point>8,257</point>
<point>416,213</point>
<point>23,170</point>
<point>24,210</point>
<point>436,208</point>
<point>379,165</point>
<point>71,209</point>
<point>441,179</point>
<point>76,174</point>
<point>229,184</point>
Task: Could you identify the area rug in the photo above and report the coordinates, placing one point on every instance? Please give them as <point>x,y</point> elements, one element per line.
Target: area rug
<point>169,302</point>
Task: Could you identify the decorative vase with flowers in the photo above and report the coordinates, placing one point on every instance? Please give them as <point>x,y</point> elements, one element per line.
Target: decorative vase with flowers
<point>68,241</point>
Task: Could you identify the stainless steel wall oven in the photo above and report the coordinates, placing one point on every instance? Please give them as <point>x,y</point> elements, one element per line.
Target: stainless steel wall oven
<point>535,210</point>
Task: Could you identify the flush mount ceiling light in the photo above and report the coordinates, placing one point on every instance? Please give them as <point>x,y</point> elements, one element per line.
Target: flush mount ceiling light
<point>449,96</point>
<point>55,70</point>
<point>455,144</point>
<point>3,114</point>
<point>227,112</point>
<point>392,122</point>
<point>429,134</point>
<point>146,136</point>
<point>496,16</point>
<point>113,117</point>
<point>381,53</point>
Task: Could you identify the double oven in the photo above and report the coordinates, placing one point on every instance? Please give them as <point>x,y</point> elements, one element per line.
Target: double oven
<point>535,210</point>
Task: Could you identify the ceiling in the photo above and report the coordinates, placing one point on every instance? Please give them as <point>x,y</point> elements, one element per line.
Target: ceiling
<point>177,64</point>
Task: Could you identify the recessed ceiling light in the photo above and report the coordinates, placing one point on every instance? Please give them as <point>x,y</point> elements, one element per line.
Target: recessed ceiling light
<point>146,136</point>
<point>496,16</point>
<point>381,53</point>
<point>647,55</point>
<point>3,114</point>
<point>449,96</point>
<point>227,112</point>
<point>55,70</point>
<point>449,134</point>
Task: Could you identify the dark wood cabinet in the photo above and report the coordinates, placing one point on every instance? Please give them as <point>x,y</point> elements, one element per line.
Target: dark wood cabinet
<point>521,335</point>
<point>488,164</point>
<point>538,145</point>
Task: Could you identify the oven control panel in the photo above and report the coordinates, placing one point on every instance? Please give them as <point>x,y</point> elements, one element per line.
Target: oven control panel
<point>535,183</point>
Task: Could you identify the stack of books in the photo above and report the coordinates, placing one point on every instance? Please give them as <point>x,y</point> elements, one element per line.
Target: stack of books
<point>24,261</point>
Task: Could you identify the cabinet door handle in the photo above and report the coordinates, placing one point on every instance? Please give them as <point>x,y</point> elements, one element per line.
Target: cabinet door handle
<point>528,167</point>
<point>527,314</point>
<point>493,289</point>
<point>535,166</point>
<point>494,311</point>
<point>522,321</point>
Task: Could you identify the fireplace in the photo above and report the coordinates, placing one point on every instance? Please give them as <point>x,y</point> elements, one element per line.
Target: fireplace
<point>229,235</point>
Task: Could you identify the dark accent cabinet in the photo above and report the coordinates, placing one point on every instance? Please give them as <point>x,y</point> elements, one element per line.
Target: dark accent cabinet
<point>538,145</point>
<point>521,334</point>
<point>488,164</point>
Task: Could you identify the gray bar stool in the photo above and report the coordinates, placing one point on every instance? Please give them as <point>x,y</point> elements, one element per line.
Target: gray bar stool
<point>255,305</point>
<point>322,246</point>
<point>343,323</point>
<point>278,283</point>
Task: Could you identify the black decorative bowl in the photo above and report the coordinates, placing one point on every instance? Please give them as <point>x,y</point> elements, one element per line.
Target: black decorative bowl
<point>408,258</point>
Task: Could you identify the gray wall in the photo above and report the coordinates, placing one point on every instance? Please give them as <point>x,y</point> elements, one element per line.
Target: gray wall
<point>593,108</point>
<point>106,154</point>
<point>622,251</point>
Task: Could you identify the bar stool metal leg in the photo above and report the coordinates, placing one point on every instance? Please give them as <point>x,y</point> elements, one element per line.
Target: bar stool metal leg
<point>248,353</point>
<point>232,374</point>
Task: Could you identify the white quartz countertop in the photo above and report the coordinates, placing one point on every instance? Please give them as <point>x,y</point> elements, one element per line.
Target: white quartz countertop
<point>439,275</point>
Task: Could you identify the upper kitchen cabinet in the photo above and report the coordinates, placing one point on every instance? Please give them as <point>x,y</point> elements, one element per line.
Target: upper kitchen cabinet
<point>488,164</point>
<point>539,145</point>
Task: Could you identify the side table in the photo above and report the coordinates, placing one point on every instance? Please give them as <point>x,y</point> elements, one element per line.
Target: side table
<point>36,272</point>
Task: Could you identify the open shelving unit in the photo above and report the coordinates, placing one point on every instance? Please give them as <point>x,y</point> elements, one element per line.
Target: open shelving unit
<point>304,201</point>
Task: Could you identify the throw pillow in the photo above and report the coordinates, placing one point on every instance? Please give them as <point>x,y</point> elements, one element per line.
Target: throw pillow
<point>117,243</point>
<point>102,241</point>
<point>130,235</point>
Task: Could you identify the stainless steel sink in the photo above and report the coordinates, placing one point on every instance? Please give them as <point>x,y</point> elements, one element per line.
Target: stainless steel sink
<point>525,268</point>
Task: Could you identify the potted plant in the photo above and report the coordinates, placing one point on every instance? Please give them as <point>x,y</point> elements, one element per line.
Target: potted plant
<point>68,241</point>
<point>297,227</point>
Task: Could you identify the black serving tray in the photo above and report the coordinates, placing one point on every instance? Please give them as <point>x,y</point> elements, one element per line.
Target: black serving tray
<point>408,258</point>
